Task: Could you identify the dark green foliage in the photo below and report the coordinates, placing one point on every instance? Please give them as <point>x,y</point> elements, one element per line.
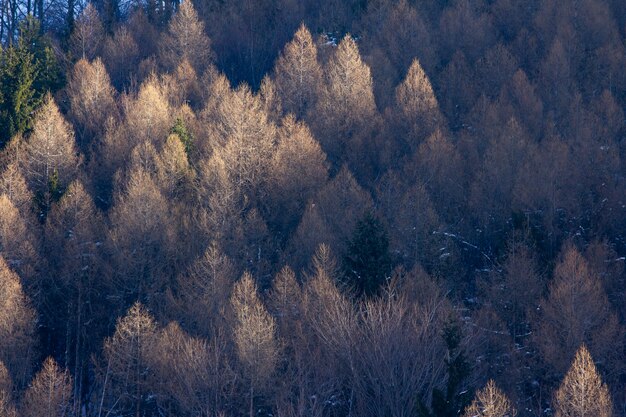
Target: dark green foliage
<point>368,263</point>
<point>453,401</point>
<point>27,71</point>
<point>185,135</point>
<point>17,96</point>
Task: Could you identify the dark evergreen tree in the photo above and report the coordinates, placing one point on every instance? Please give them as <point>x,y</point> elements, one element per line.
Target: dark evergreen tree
<point>454,399</point>
<point>28,70</point>
<point>184,134</point>
<point>368,262</point>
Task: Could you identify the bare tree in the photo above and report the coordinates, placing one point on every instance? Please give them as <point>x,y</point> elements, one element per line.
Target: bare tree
<point>205,290</point>
<point>490,402</point>
<point>577,311</point>
<point>255,337</point>
<point>417,108</point>
<point>92,99</point>
<point>51,156</point>
<point>345,109</point>
<point>190,376</point>
<point>20,254</point>
<point>139,238</point>
<point>73,235</point>
<point>149,115</point>
<point>185,39</point>
<point>88,36</point>
<point>298,73</point>
<point>127,354</point>
<point>50,393</point>
<point>297,152</point>
<point>582,392</point>
<point>7,408</point>
<point>399,354</point>
<point>17,326</point>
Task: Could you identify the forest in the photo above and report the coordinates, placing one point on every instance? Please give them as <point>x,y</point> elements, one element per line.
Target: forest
<point>312,208</point>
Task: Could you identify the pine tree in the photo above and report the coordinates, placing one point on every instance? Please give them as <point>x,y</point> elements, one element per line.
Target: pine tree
<point>18,98</point>
<point>368,262</point>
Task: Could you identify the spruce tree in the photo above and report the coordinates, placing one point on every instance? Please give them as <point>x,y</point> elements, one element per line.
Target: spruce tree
<point>368,262</point>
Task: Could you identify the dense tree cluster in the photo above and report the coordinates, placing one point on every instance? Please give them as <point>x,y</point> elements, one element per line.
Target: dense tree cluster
<point>312,208</point>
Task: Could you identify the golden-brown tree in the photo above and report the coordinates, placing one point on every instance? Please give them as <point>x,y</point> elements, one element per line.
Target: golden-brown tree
<point>148,115</point>
<point>346,108</point>
<point>577,311</point>
<point>490,402</point>
<point>13,185</point>
<point>205,290</point>
<point>7,408</point>
<point>92,99</point>
<point>330,217</point>
<point>17,326</point>
<point>189,375</point>
<point>73,235</point>
<point>51,156</point>
<point>88,35</point>
<point>255,337</point>
<point>50,393</point>
<point>285,301</point>
<point>439,165</point>
<point>298,170</point>
<point>298,74</point>
<point>139,238</point>
<point>174,175</point>
<point>417,108</point>
<point>582,392</point>
<point>120,54</point>
<point>185,40</point>
<point>127,355</point>
<point>20,254</point>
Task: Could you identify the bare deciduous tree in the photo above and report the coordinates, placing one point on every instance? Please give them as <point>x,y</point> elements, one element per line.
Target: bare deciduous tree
<point>582,392</point>
<point>490,402</point>
<point>298,73</point>
<point>50,393</point>
<point>17,326</point>
<point>127,354</point>
<point>185,39</point>
<point>91,98</point>
<point>255,337</point>
<point>51,156</point>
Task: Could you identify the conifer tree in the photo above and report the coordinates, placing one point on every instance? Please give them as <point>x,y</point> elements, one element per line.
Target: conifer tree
<point>18,98</point>
<point>368,262</point>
